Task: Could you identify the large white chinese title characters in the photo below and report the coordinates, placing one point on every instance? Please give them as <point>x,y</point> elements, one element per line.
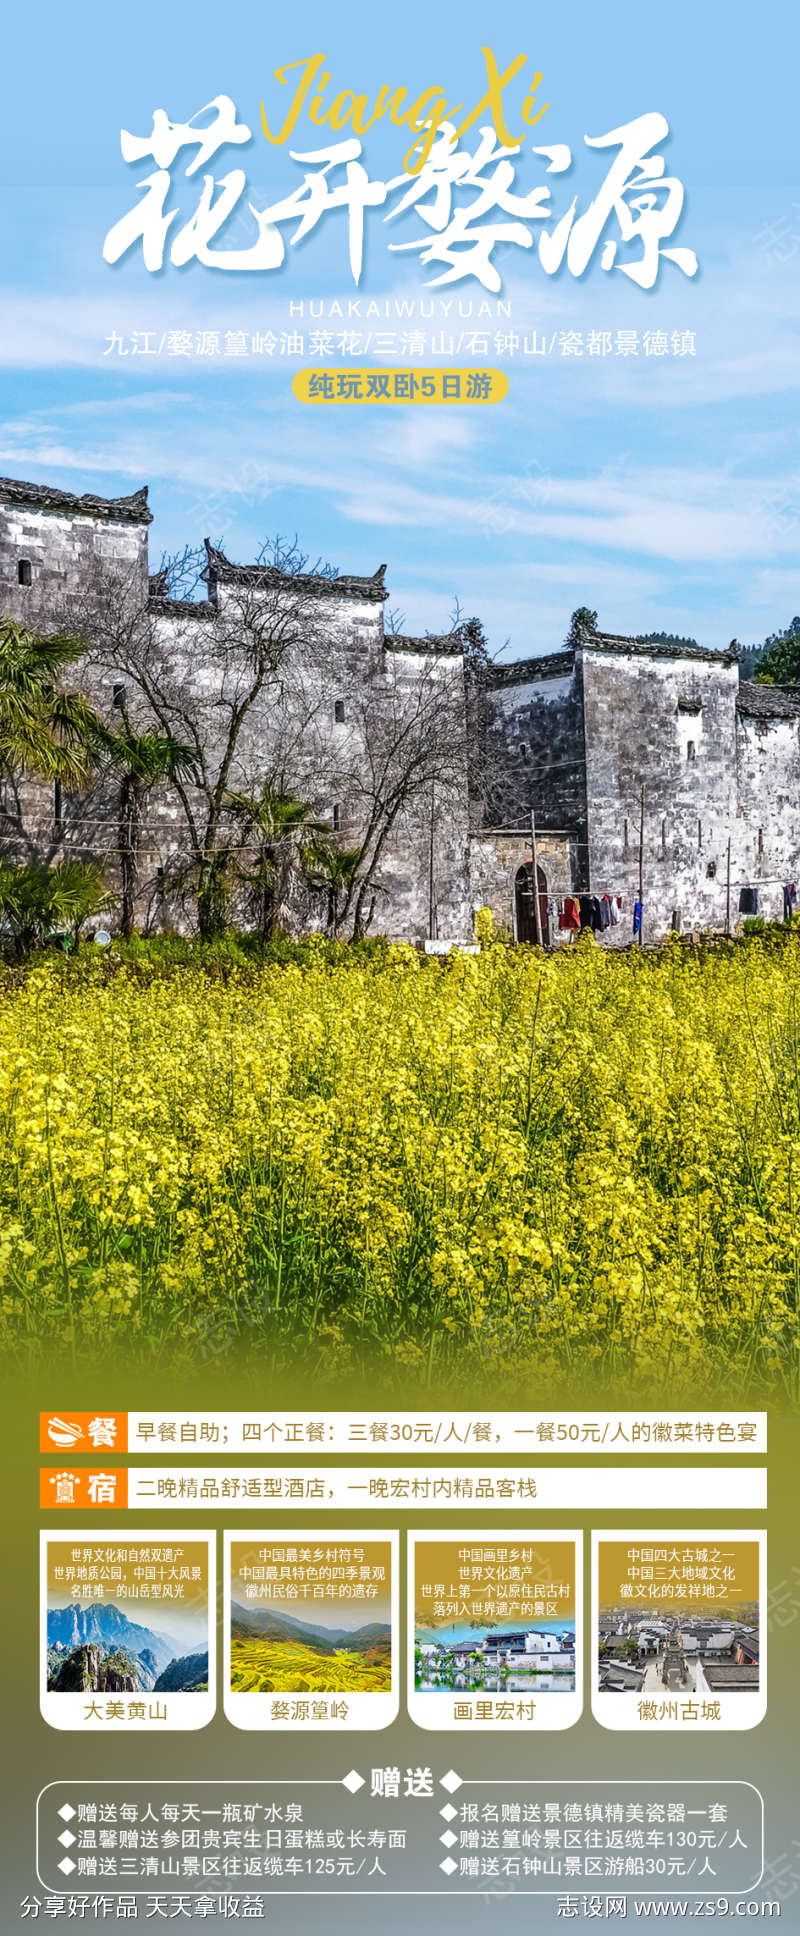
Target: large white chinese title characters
<point>467,203</point>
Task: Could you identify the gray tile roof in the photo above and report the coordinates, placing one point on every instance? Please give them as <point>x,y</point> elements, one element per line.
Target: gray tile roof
<point>617,642</point>
<point>341,585</point>
<point>768,702</point>
<point>45,497</point>
<point>722,1674</point>
<point>519,672</point>
<point>436,643</point>
<point>181,607</point>
<point>555,665</point>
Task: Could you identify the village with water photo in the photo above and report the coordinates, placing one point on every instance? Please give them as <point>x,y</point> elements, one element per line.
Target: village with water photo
<point>531,1661</point>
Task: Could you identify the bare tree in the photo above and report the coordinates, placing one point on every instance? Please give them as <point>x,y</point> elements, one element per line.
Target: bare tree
<point>222,677</point>
<point>243,679</point>
<point>406,758</point>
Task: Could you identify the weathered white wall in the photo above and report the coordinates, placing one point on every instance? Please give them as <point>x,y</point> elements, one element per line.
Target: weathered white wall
<point>576,736</point>
<point>64,553</point>
<point>345,658</point>
<point>768,818</point>
<point>637,734</point>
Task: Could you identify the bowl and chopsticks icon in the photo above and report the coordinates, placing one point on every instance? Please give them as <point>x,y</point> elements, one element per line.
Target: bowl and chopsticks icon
<point>62,1433</point>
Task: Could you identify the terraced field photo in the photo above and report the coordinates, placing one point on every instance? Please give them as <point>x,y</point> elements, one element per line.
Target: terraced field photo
<point>273,1653</point>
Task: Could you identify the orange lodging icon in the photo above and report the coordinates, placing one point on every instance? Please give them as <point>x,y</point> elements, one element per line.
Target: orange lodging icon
<point>79,1488</point>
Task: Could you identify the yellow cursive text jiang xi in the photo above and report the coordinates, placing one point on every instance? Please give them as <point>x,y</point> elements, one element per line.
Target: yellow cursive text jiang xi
<point>423,115</point>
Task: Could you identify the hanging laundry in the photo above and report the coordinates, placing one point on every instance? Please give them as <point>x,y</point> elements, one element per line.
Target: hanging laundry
<point>748,900</point>
<point>597,919</point>
<point>789,900</point>
<point>614,906</point>
<point>570,917</point>
<point>585,905</point>
<point>637,917</point>
<point>605,911</point>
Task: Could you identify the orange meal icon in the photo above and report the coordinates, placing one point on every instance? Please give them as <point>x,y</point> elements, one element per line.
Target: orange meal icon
<point>83,1432</point>
<point>64,1432</point>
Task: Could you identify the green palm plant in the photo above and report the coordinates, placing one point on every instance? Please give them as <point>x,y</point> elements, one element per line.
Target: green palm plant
<point>43,726</point>
<point>332,868</point>
<point>37,900</point>
<point>142,760</point>
<point>275,826</point>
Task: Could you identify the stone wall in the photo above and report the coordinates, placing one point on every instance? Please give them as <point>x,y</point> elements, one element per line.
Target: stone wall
<point>666,723</point>
<point>535,752</point>
<point>586,734</point>
<point>62,541</point>
<point>427,869</point>
<point>768,790</point>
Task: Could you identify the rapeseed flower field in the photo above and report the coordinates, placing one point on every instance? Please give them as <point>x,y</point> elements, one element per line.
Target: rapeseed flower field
<point>504,1170</point>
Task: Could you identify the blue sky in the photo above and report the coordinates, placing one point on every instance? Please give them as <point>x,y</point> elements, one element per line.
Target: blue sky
<point>663,492</point>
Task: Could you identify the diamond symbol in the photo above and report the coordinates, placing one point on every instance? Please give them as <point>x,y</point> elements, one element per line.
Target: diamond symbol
<point>448,1865</point>
<point>66,1866</point>
<point>66,1814</point>
<point>353,1781</point>
<point>66,1839</point>
<point>448,1813</point>
<point>448,1838</point>
<point>451,1781</point>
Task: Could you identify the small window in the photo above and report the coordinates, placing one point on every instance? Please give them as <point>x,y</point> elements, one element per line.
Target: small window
<point>690,749</point>
<point>58,807</point>
<point>761,843</point>
<point>699,833</point>
<point>24,571</point>
<point>625,836</point>
<point>523,752</point>
<point>337,819</point>
<point>119,697</point>
<point>338,712</point>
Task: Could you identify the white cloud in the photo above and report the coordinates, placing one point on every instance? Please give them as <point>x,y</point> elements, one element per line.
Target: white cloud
<point>431,480</point>
<point>670,514</point>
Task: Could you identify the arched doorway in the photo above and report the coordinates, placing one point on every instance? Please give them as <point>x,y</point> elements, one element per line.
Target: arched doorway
<point>525,905</point>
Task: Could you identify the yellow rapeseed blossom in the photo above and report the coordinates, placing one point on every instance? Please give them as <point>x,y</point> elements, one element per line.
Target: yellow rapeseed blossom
<point>491,1167</point>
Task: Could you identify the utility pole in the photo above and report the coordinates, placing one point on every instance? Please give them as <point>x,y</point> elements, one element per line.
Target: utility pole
<point>641,867</point>
<point>728,891</point>
<point>537,912</point>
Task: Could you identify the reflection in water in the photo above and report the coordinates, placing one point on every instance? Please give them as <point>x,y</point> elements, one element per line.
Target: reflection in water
<point>502,1684</point>
<point>532,1683</point>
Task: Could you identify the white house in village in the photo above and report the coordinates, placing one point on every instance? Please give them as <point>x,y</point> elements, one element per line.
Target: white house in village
<point>650,770</point>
